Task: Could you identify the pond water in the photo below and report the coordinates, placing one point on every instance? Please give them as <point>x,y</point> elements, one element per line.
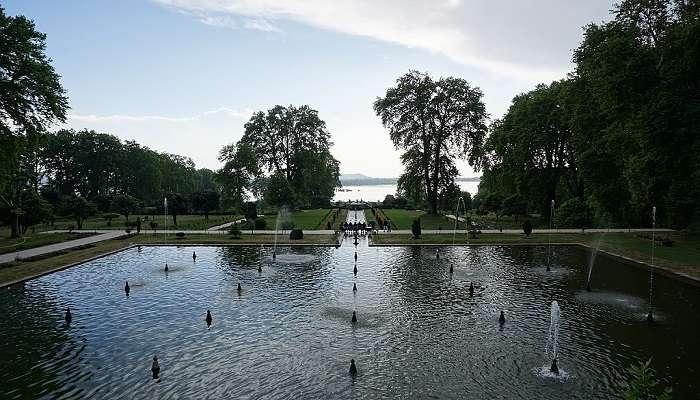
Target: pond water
<point>288,333</point>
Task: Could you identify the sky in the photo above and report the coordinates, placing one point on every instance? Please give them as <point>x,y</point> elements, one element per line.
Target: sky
<point>183,76</point>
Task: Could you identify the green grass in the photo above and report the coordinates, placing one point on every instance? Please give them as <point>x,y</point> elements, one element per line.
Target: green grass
<point>8,245</point>
<point>403,219</point>
<point>302,219</point>
<point>370,218</point>
<point>683,256</point>
<point>184,222</point>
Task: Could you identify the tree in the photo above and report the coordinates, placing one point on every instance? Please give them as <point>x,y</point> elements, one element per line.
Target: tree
<point>35,210</point>
<point>279,191</point>
<point>574,213</point>
<point>205,201</point>
<point>236,176</point>
<point>290,143</point>
<point>109,217</point>
<point>78,208</point>
<point>125,205</point>
<point>31,99</point>
<point>527,227</point>
<point>177,205</point>
<point>434,122</point>
<point>415,229</point>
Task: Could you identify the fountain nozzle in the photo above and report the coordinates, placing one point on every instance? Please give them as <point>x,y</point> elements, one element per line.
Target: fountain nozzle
<point>650,317</point>
<point>554,368</point>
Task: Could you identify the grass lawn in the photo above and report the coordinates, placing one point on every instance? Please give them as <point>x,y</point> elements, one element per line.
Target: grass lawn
<point>22,269</point>
<point>8,245</point>
<point>302,219</point>
<point>370,218</point>
<point>403,219</point>
<point>184,222</point>
<point>683,256</point>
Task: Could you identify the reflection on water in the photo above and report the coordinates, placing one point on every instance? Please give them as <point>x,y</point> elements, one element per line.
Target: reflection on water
<point>288,333</point>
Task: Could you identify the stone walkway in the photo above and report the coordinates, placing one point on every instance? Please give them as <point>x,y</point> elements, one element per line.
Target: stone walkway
<point>100,236</point>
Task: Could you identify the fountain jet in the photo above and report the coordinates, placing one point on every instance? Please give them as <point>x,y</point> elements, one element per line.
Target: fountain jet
<point>553,337</point>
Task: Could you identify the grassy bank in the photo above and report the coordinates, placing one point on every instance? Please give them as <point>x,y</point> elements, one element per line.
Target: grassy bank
<point>302,219</point>
<point>8,245</point>
<point>683,256</point>
<point>403,219</point>
<point>38,265</point>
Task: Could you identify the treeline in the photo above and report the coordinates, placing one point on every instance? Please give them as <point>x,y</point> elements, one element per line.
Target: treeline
<point>82,173</point>
<point>617,136</point>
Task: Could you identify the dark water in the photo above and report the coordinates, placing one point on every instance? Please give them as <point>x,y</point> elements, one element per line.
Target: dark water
<point>288,334</point>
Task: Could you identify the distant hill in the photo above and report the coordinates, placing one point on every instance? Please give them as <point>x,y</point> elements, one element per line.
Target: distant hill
<point>364,180</point>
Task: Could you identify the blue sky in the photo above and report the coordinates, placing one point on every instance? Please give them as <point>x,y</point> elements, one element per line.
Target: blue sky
<point>183,76</point>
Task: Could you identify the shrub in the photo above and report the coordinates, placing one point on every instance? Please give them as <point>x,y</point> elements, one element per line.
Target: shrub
<point>643,384</point>
<point>260,224</point>
<point>180,235</point>
<point>235,231</point>
<point>574,213</point>
<point>415,229</point>
<point>296,234</point>
<point>527,227</point>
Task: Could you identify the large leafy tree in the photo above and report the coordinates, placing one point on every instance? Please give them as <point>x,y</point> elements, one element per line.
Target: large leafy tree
<point>291,143</point>
<point>434,122</point>
<point>236,176</point>
<point>31,99</point>
<point>531,148</point>
<point>205,201</point>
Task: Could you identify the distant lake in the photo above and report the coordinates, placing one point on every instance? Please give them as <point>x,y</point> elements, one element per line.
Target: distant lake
<point>378,192</point>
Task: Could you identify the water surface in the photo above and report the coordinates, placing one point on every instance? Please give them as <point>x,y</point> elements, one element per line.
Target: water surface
<point>288,334</point>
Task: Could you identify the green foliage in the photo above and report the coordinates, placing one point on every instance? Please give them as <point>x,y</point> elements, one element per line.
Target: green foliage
<point>279,192</point>
<point>574,213</point>
<point>527,227</point>
<point>153,225</point>
<point>204,202</point>
<point>109,217</point>
<point>177,205</point>
<point>125,205</point>
<point>619,131</point>
<point>31,99</point>
<point>78,208</point>
<point>235,231</point>
<point>290,144</point>
<point>34,210</point>
<point>434,122</point>
<point>260,224</point>
<point>296,234</point>
<point>643,385</point>
<point>415,229</point>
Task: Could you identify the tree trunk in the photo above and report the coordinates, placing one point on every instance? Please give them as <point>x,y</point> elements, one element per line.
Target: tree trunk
<point>175,219</point>
<point>15,226</point>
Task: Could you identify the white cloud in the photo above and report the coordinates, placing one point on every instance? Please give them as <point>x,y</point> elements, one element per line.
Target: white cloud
<point>145,118</point>
<point>525,40</point>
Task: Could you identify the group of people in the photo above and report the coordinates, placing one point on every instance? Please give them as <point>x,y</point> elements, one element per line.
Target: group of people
<point>354,228</point>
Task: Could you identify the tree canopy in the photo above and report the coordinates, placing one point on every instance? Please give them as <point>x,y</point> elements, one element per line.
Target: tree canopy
<point>284,155</point>
<point>434,122</point>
